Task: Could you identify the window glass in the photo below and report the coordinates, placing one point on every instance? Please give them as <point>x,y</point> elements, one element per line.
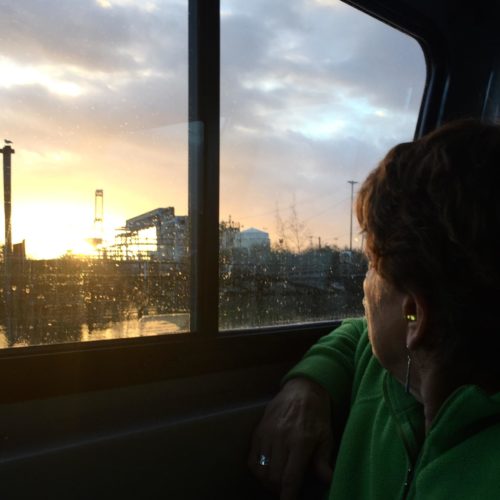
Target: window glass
<point>94,101</point>
<point>313,94</point>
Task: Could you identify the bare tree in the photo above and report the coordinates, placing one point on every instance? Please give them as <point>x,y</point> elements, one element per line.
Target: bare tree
<point>293,233</point>
<point>281,230</point>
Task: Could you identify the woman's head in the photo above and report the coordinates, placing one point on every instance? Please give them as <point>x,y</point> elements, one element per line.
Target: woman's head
<point>431,211</point>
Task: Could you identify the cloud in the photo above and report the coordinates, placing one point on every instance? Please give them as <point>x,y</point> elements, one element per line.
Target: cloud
<point>312,94</point>
<point>310,102</point>
<point>85,35</point>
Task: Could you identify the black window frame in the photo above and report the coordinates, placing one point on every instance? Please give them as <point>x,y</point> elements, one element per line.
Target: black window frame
<point>54,370</point>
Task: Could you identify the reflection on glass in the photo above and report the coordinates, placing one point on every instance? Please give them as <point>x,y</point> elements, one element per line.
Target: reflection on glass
<point>94,113</point>
<point>313,94</point>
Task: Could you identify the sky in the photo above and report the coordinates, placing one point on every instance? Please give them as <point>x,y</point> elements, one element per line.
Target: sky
<point>94,96</point>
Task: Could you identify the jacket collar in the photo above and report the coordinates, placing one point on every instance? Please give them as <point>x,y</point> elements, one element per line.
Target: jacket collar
<point>466,412</point>
<point>408,415</point>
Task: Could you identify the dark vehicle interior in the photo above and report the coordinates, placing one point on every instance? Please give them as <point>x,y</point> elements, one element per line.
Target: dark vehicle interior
<point>172,416</point>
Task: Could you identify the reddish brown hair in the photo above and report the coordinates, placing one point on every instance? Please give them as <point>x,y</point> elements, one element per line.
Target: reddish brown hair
<point>431,214</point>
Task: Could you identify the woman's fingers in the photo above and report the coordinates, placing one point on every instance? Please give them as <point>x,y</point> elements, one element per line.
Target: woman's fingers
<point>278,463</point>
<point>268,460</point>
<point>259,458</point>
<point>294,429</point>
<point>321,460</point>
<point>295,469</point>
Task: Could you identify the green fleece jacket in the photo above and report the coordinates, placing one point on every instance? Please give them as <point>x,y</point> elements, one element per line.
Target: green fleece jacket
<point>384,453</point>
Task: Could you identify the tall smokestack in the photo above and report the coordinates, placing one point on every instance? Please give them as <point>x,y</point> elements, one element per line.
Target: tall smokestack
<point>7,152</point>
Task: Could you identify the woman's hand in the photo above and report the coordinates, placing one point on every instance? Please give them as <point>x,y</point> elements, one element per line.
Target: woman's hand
<point>294,434</point>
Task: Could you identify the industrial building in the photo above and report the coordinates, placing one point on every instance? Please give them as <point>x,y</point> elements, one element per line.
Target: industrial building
<point>157,234</point>
<point>161,235</point>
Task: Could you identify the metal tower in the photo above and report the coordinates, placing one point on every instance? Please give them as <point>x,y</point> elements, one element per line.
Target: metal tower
<point>98,215</point>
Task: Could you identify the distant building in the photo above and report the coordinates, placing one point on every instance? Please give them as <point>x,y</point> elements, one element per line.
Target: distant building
<point>171,232</point>
<point>229,235</point>
<point>170,238</point>
<point>252,238</point>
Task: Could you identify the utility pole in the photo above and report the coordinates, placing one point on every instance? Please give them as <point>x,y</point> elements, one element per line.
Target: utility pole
<point>352,201</point>
<point>7,152</point>
<point>99,216</point>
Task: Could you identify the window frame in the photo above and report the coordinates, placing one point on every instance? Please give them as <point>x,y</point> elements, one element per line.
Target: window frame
<point>55,370</point>
<point>203,144</point>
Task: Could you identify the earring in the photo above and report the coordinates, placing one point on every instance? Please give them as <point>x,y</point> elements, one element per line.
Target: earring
<point>411,317</point>
<point>408,367</point>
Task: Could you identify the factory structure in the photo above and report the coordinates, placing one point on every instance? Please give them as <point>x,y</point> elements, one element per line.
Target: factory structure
<point>162,235</point>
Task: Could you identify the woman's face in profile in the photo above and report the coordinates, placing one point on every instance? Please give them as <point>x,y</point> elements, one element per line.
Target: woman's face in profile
<point>383,305</point>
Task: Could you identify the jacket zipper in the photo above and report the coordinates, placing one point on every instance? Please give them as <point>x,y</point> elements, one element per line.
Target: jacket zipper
<point>407,483</point>
<point>410,473</point>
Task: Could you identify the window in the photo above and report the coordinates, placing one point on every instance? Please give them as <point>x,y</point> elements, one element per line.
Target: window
<point>95,112</point>
<point>313,94</point>
<point>94,100</point>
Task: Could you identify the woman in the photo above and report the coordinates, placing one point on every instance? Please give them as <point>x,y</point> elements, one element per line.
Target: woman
<point>419,378</point>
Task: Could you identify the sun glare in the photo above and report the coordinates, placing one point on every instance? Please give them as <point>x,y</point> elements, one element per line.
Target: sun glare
<point>83,248</point>
<point>52,228</point>
<point>59,246</point>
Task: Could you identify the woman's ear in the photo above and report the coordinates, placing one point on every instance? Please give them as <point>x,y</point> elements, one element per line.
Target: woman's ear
<point>416,315</point>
